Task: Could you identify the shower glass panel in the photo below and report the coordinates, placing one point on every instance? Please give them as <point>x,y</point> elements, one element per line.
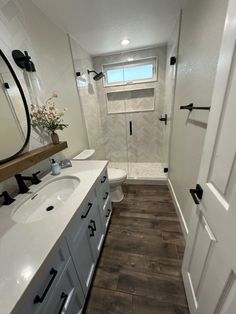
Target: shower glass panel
<point>144,130</point>
<point>114,125</point>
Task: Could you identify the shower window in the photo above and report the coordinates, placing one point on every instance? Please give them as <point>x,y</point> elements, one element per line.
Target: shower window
<point>138,71</point>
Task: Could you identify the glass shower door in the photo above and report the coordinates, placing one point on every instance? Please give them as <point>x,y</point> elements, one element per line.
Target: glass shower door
<point>144,130</point>
<point>144,146</point>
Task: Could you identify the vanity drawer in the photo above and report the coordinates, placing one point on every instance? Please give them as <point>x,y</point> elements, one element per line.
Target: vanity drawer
<point>103,179</point>
<point>80,220</point>
<point>87,204</point>
<point>44,282</point>
<point>68,296</point>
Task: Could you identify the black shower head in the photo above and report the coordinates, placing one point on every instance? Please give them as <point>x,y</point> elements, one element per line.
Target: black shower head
<point>97,76</point>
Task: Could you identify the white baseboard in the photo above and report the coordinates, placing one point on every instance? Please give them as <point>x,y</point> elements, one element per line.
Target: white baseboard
<point>184,226</point>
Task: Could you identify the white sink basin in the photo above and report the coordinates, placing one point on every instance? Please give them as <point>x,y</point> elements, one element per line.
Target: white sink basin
<point>47,199</point>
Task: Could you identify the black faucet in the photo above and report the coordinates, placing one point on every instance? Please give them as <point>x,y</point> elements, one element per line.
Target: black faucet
<point>7,198</point>
<point>21,181</point>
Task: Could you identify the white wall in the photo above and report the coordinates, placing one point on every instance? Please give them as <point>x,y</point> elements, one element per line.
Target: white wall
<point>23,26</point>
<point>201,31</point>
<point>88,97</point>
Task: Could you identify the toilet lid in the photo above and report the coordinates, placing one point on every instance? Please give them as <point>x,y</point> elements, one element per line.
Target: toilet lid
<point>85,154</point>
<point>116,174</point>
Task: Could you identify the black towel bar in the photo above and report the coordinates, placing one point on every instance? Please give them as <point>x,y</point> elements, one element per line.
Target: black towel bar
<point>190,107</point>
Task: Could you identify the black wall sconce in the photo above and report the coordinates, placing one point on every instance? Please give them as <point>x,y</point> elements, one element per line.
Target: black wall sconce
<point>23,60</point>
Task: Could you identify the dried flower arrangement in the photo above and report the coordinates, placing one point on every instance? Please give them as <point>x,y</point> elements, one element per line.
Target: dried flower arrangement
<point>48,117</point>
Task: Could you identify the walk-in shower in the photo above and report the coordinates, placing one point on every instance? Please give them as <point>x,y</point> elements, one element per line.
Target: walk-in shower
<point>131,100</point>
<point>122,110</point>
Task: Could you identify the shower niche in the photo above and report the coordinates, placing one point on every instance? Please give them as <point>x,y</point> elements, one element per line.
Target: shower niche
<point>131,100</point>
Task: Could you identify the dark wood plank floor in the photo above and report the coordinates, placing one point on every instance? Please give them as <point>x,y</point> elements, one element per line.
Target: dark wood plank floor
<point>140,268</point>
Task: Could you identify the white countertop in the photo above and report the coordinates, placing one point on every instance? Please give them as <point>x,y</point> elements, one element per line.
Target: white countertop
<point>25,246</point>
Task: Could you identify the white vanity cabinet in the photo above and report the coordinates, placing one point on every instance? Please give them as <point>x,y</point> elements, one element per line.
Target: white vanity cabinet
<point>62,282</point>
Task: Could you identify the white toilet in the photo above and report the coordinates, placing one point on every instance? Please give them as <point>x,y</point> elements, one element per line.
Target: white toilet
<point>115,176</point>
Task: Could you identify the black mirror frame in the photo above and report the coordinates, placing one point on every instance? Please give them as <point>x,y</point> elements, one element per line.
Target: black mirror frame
<point>25,107</point>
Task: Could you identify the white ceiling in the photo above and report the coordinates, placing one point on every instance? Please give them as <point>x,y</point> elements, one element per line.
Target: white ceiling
<point>100,25</point>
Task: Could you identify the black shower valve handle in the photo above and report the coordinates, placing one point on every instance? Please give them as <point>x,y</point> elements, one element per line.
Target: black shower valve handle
<point>164,119</point>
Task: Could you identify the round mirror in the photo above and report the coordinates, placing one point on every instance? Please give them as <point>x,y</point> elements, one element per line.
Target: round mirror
<point>14,117</point>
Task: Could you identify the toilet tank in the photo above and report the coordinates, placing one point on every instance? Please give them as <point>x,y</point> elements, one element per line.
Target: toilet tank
<point>85,155</point>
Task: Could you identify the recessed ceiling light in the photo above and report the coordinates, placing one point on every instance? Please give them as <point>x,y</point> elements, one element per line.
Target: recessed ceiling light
<point>130,59</point>
<point>125,42</point>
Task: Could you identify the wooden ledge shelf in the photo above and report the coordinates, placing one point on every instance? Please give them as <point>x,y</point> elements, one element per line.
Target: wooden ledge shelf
<point>29,159</point>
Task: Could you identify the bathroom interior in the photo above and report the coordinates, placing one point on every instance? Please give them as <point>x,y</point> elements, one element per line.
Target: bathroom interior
<point>109,117</point>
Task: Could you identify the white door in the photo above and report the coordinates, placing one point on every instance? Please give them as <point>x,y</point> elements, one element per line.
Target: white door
<point>209,266</point>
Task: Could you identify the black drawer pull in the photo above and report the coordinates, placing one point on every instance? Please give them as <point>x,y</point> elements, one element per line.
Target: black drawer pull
<point>108,213</point>
<point>94,225</point>
<point>89,207</point>
<point>38,299</point>
<point>92,231</point>
<point>64,298</point>
<point>106,196</point>
<point>103,179</point>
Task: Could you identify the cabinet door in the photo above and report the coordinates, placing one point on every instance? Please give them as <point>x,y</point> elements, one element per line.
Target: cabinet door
<point>68,296</point>
<point>107,212</point>
<point>43,284</point>
<point>82,255</point>
<point>96,230</point>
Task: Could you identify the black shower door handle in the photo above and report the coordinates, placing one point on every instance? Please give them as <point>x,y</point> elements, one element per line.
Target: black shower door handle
<point>130,128</point>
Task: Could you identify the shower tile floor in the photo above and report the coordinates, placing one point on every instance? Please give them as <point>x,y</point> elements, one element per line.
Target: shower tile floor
<point>142,170</point>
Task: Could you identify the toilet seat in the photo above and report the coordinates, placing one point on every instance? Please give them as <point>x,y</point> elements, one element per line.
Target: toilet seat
<point>116,175</point>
